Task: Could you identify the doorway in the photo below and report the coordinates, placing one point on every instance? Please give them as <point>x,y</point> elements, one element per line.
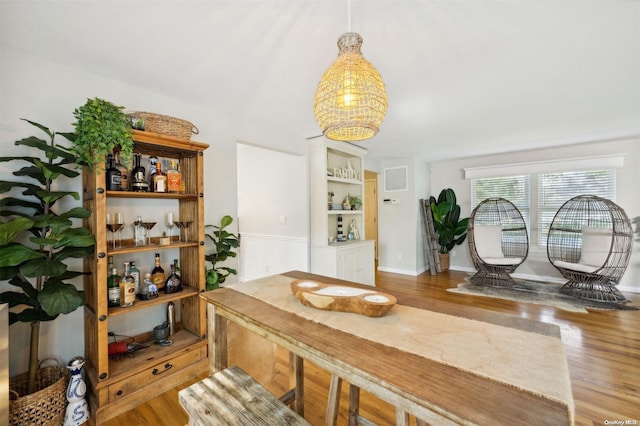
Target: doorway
<point>371,210</point>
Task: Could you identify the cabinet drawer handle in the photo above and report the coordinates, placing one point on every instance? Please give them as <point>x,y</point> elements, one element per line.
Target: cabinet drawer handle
<point>156,372</point>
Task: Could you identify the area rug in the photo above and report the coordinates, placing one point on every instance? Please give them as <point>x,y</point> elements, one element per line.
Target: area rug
<point>539,293</point>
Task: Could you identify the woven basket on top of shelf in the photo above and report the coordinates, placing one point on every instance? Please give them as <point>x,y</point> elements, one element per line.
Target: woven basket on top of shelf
<point>166,125</point>
<point>45,406</point>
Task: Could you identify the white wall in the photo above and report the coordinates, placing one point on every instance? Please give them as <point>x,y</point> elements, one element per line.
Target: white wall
<point>450,174</point>
<point>273,212</point>
<point>400,238</point>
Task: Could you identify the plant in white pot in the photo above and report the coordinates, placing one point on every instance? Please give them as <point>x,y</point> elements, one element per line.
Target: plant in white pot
<point>37,238</point>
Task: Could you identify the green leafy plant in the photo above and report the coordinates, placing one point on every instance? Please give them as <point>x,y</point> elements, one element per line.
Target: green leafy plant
<point>220,246</point>
<point>355,202</point>
<point>450,228</point>
<point>36,238</point>
<point>100,128</point>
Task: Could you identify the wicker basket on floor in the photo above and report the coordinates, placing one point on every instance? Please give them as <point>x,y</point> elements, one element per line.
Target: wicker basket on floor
<point>166,125</point>
<point>47,405</point>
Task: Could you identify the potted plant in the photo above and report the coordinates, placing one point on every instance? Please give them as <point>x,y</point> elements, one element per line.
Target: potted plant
<point>101,127</point>
<point>37,237</point>
<point>450,228</point>
<point>355,201</point>
<point>220,246</point>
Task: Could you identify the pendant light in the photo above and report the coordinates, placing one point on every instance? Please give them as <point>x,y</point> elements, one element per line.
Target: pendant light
<point>351,100</point>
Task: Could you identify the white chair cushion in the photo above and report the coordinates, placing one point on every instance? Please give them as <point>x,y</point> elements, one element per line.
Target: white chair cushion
<point>488,241</point>
<point>502,260</point>
<point>579,267</point>
<point>596,243</point>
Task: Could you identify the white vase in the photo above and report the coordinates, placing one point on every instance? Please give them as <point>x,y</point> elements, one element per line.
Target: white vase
<point>77,409</point>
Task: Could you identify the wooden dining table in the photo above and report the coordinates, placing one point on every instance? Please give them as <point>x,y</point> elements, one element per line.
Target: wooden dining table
<point>426,383</point>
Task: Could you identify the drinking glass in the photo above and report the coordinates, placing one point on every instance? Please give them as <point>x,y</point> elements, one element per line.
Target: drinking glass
<point>113,228</point>
<point>148,226</point>
<point>180,225</point>
<point>119,220</point>
<point>170,223</point>
<point>185,226</point>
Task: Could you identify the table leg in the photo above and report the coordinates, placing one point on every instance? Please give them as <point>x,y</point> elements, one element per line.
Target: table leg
<point>354,404</point>
<point>402,417</point>
<point>296,381</point>
<point>218,353</point>
<point>333,402</point>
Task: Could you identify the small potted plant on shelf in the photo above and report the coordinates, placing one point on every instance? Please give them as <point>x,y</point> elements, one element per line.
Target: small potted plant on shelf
<point>220,247</point>
<point>37,237</point>
<point>450,228</point>
<point>101,127</point>
<point>355,201</point>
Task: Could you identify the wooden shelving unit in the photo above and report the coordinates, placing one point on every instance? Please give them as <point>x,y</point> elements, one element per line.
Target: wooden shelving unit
<point>117,385</point>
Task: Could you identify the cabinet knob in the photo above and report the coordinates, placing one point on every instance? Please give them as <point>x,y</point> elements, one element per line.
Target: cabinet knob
<point>120,392</point>
<point>201,195</point>
<point>103,376</point>
<point>101,255</point>
<point>100,190</point>
<point>201,243</point>
<point>102,318</point>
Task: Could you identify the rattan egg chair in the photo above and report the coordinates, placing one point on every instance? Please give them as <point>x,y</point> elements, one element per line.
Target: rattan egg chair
<point>498,242</point>
<point>589,242</point>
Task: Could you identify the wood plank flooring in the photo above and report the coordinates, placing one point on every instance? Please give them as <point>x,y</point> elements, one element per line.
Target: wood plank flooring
<point>603,352</point>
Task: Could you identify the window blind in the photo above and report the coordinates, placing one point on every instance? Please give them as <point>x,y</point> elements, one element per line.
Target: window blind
<point>554,189</point>
<point>516,189</point>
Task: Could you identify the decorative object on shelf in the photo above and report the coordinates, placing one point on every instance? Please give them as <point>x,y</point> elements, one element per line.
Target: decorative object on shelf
<point>330,199</point>
<point>355,202</point>
<point>165,125</point>
<point>350,102</point>
<point>345,204</point>
<point>37,238</point>
<point>340,236</point>
<point>330,297</point>
<point>161,334</point>
<point>100,128</point>
<point>354,234</point>
<point>219,246</point>
<point>77,412</point>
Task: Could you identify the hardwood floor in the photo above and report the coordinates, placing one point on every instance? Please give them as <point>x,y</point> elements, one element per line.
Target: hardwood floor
<point>603,352</point>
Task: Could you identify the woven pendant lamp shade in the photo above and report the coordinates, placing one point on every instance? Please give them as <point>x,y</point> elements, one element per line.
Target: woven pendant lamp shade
<point>351,100</point>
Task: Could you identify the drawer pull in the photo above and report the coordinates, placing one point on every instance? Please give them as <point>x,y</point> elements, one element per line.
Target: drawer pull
<point>156,372</point>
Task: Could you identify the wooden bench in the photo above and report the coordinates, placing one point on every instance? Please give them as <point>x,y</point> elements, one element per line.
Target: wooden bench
<point>232,397</point>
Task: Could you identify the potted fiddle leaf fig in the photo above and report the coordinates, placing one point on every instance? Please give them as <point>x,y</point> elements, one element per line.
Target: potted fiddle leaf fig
<point>451,229</point>
<point>101,127</point>
<point>220,245</point>
<point>38,236</point>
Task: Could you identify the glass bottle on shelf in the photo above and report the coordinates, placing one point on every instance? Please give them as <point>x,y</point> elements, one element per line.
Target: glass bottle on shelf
<point>182,179</point>
<point>174,282</point>
<point>157,274</point>
<point>127,288</point>
<point>124,170</point>
<point>135,273</point>
<point>159,179</point>
<point>148,289</point>
<point>174,178</point>
<point>153,161</point>
<point>113,176</point>
<point>138,178</point>
<point>113,288</point>
<point>139,235</point>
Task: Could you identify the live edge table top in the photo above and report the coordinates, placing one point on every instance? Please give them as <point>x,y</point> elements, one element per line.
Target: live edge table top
<point>430,390</point>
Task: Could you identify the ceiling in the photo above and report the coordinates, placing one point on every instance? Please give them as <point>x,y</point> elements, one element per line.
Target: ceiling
<point>463,78</point>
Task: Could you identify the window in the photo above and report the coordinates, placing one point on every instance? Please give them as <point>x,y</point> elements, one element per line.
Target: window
<point>513,188</point>
<point>539,207</point>
<point>554,189</point>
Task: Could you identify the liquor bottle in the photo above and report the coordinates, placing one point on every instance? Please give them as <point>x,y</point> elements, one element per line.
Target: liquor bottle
<point>159,179</point>
<point>138,178</point>
<point>135,273</point>
<point>182,180</point>
<point>174,282</point>
<point>175,262</point>
<point>124,171</point>
<point>139,236</point>
<point>109,263</point>
<point>127,288</point>
<point>113,176</point>
<point>157,274</point>
<point>148,289</point>
<point>153,161</point>
<point>174,178</point>
<point>113,288</point>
